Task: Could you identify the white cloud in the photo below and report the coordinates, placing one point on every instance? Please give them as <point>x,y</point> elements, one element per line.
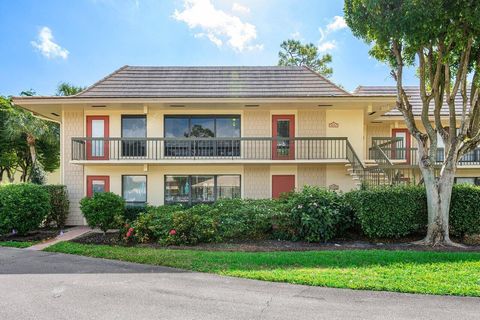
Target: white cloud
<point>327,46</point>
<point>240,8</point>
<point>217,25</point>
<point>337,24</point>
<point>218,42</point>
<point>47,47</point>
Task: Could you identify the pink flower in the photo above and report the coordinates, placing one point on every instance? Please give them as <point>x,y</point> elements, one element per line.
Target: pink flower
<point>130,232</point>
<point>172,232</point>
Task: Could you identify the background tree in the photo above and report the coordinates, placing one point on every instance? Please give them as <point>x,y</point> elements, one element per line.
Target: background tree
<point>441,38</point>
<point>8,156</point>
<point>22,125</point>
<point>294,53</point>
<point>67,89</point>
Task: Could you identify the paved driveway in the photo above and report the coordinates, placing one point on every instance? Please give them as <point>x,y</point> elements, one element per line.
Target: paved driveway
<point>40,285</point>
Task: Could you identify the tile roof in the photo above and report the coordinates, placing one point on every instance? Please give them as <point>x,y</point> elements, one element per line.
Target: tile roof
<point>212,82</point>
<point>414,94</point>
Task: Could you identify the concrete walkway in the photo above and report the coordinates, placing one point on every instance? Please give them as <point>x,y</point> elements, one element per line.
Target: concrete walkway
<point>69,234</point>
<point>42,285</point>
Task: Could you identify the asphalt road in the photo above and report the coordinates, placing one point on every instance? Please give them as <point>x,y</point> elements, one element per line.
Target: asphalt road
<point>40,285</point>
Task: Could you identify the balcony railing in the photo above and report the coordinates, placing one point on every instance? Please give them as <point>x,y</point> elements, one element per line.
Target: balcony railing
<point>247,148</point>
<point>394,151</point>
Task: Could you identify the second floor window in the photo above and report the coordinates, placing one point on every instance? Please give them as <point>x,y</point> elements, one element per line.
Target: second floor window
<point>216,135</point>
<point>134,126</point>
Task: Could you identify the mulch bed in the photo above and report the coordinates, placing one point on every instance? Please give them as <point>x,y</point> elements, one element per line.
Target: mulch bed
<point>112,238</point>
<point>34,236</point>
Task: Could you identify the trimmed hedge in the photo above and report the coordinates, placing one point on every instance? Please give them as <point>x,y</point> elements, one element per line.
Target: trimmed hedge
<point>23,207</point>
<point>390,212</point>
<point>313,215</point>
<point>465,210</point>
<point>59,205</point>
<point>318,214</point>
<point>104,210</point>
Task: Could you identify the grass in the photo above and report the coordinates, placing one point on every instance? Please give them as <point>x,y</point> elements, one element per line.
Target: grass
<point>446,273</point>
<point>16,244</point>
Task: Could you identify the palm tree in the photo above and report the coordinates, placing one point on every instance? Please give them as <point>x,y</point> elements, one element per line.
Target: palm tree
<point>22,124</point>
<point>67,89</point>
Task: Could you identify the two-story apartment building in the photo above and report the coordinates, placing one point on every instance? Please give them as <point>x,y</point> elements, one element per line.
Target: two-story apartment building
<point>189,135</point>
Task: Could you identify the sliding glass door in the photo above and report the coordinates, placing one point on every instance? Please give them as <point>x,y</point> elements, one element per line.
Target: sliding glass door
<point>209,136</point>
<point>134,126</point>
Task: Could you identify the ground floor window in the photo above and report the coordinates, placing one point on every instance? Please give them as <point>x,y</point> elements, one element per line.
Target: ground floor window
<point>468,180</point>
<point>192,189</point>
<point>134,189</point>
<point>97,184</point>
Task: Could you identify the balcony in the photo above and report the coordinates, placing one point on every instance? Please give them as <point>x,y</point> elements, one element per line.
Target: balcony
<point>392,151</point>
<point>210,150</point>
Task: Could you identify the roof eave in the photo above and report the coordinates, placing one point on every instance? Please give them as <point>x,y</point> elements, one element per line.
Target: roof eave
<point>259,99</point>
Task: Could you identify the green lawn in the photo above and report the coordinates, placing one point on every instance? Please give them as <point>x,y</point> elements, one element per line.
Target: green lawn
<point>16,244</point>
<point>402,271</point>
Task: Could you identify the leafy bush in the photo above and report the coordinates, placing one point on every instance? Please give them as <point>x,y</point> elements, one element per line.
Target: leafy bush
<point>318,214</point>
<point>59,205</point>
<point>464,210</point>
<point>192,226</point>
<point>132,212</point>
<point>390,211</point>
<point>245,219</point>
<point>155,223</point>
<point>23,207</point>
<point>104,210</point>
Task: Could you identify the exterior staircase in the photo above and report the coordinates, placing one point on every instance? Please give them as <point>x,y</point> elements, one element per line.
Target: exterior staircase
<point>379,170</point>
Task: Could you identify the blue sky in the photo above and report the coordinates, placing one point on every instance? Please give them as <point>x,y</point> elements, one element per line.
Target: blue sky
<point>46,42</point>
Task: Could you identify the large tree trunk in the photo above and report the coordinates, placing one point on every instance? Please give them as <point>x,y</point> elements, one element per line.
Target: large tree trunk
<point>439,194</point>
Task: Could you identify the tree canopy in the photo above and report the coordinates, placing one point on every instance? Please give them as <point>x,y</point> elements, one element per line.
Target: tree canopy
<point>20,131</point>
<point>294,53</point>
<point>67,89</point>
<point>441,38</point>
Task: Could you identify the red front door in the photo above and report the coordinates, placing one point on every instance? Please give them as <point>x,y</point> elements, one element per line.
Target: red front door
<point>97,184</point>
<point>283,134</point>
<point>282,184</point>
<point>401,148</point>
<point>98,131</point>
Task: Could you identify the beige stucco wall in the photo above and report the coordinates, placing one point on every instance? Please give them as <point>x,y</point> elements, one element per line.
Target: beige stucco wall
<point>350,125</point>
<point>72,175</point>
<point>256,182</point>
<point>338,176</point>
<point>312,175</point>
<point>256,123</point>
<point>311,123</point>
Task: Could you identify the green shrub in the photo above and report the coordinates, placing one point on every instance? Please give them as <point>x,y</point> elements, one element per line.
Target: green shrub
<point>155,223</point>
<point>59,205</point>
<point>192,226</point>
<point>132,212</point>
<point>245,219</point>
<point>104,210</point>
<point>390,212</point>
<point>318,214</point>
<point>22,207</point>
<point>465,210</point>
